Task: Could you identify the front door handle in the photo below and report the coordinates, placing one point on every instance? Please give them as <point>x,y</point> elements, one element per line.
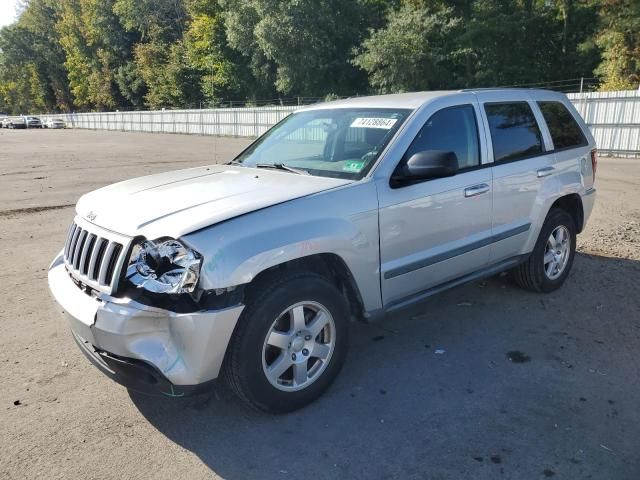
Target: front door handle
<point>476,190</point>
<point>545,172</point>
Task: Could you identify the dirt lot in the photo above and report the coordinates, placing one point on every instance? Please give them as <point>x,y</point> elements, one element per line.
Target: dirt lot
<point>398,410</point>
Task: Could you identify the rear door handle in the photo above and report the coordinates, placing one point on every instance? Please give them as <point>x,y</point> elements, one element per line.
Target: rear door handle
<point>545,172</point>
<point>476,190</point>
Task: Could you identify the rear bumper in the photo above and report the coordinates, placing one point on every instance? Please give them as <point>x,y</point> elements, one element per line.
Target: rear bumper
<point>588,200</point>
<point>145,348</point>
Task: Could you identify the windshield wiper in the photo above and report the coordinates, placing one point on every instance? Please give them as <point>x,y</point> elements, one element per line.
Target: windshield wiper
<point>282,166</point>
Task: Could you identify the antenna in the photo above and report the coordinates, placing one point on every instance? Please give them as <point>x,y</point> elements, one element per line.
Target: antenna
<point>215,142</point>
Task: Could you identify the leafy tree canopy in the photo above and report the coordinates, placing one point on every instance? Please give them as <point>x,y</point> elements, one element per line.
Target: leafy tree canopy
<point>108,54</point>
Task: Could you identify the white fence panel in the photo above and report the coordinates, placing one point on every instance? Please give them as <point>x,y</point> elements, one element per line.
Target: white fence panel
<point>235,122</point>
<point>613,117</point>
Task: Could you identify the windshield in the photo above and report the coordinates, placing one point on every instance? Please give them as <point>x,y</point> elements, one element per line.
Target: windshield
<point>341,142</point>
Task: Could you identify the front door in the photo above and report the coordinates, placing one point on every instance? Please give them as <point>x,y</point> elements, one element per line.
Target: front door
<point>437,230</point>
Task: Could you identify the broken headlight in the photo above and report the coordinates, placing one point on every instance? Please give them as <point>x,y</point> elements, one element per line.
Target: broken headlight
<point>164,266</point>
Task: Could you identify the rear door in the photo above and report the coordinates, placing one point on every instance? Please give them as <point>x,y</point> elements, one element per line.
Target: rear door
<point>523,163</point>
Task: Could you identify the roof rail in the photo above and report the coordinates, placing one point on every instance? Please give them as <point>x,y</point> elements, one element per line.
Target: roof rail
<point>504,88</point>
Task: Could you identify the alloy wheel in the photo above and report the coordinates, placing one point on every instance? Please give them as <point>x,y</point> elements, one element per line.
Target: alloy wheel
<point>298,346</point>
<point>557,252</point>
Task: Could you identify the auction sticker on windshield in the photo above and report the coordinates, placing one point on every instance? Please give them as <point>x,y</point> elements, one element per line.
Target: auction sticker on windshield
<point>368,122</point>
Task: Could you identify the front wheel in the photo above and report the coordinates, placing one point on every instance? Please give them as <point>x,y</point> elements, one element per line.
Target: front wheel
<point>550,262</point>
<point>289,344</point>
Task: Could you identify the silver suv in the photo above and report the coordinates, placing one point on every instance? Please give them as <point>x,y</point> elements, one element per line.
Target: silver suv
<point>251,271</point>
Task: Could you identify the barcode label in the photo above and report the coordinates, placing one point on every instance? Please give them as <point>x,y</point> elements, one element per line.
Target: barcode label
<point>384,123</point>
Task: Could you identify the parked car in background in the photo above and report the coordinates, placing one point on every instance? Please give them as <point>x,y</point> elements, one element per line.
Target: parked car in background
<point>16,122</point>
<point>251,271</point>
<point>54,122</point>
<point>33,122</point>
<point>2,119</point>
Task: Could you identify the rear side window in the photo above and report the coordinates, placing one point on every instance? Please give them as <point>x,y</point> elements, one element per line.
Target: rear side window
<point>514,131</point>
<point>452,129</point>
<point>565,131</point>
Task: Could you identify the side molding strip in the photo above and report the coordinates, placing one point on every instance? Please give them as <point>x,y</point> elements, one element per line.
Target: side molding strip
<point>485,273</point>
<point>425,262</point>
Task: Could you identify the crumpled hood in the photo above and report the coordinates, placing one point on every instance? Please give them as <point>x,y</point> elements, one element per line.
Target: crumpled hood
<point>176,203</point>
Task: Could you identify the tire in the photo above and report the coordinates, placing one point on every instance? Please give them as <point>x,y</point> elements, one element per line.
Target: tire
<point>538,274</point>
<point>268,314</point>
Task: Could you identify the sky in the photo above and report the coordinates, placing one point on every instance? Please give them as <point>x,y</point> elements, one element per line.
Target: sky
<point>7,12</point>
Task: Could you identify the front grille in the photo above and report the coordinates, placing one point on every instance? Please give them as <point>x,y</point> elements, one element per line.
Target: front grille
<point>94,256</point>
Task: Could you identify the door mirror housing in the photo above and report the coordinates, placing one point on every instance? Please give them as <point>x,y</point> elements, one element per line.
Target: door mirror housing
<point>426,165</point>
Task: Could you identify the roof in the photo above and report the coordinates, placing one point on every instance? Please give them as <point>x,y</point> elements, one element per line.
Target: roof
<point>397,100</point>
<point>410,100</point>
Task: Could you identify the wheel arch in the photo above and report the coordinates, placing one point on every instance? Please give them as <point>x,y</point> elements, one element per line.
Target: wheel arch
<point>328,265</point>
<point>572,204</point>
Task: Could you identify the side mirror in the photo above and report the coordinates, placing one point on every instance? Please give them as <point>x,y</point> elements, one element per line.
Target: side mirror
<point>428,164</point>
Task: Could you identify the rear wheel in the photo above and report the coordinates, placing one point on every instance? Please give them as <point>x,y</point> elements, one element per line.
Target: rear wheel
<point>550,262</point>
<point>289,344</point>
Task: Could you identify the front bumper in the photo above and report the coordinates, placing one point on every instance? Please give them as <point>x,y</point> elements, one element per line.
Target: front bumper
<point>145,348</point>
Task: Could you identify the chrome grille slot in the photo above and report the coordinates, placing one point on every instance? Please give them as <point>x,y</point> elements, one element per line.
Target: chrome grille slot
<point>95,256</point>
<point>111,265</point>
<point>79,249</point>
<point>97,260</point>
<point>86,254</point>
<point>72,230</point>
<point>72,245</point>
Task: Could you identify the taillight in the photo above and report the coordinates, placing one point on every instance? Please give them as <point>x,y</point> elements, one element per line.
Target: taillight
<point>594,163</point>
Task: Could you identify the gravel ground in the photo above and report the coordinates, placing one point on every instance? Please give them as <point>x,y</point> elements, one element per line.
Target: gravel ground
<point>482,382</point>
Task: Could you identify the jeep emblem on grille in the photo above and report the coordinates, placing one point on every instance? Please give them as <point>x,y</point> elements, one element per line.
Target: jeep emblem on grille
<point>91,216</point>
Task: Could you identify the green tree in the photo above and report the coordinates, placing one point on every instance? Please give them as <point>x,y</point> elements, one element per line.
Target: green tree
<point>155,20</point>
<point>39,18</point>
<point>32,72</point>
<point>529,42</point>
<point>619,40</point>
<point>222,70</point>
<point>96,47</point>
<point>170,82</point>
<point>301,47</point>
<point>160,56</point>
<point>104,54</point>
<point>20,87</point>
<point>416,50</point>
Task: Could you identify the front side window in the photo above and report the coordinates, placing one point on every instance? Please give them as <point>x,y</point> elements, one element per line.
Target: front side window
<point>339,142</point>
<point>514,131</point>
<point>565,131</point>
<point>452,129</point>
